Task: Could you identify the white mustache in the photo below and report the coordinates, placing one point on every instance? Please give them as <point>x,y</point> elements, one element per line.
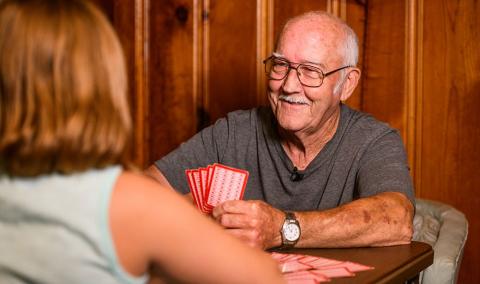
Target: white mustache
<point>295,100</point>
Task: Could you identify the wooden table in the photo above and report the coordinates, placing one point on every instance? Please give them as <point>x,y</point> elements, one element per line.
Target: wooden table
<point>395,264</point>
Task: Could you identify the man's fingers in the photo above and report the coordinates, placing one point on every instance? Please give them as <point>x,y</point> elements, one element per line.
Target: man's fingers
<point>250,237</point>
<point>248,207</point>
<point>237,221</point>
<point>232,207</point>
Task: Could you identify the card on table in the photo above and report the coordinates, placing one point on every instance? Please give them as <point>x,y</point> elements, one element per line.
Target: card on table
<point>298,268</point>
<point>215,184</point>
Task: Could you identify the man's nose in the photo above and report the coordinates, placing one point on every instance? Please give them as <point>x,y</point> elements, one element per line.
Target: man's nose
<point>292,83</point>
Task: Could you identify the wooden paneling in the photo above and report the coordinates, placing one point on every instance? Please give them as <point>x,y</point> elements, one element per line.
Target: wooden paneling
<point>171,106</point>
<point>384,74</point>
<point>422,76</point>
<point>451,115</point>
<point>356,18</point>
<point>231,66</point>
<point>285,9</point>
<point>414,87</point>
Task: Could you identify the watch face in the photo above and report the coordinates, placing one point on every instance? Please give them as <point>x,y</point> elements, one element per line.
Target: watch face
<point>291,232</point>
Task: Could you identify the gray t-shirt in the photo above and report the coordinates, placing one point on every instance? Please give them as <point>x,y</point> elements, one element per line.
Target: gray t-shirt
<point>365,157</point>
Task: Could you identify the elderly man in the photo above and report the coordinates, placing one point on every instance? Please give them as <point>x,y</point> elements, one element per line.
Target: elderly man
<point>321,174</point>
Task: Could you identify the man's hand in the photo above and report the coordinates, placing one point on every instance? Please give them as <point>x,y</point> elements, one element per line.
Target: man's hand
<point>253,221</point>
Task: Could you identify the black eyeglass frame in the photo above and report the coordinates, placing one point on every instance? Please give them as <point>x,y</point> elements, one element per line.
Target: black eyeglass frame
<point>290,67</point>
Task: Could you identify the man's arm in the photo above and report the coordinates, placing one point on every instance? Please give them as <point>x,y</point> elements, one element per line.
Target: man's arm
<point>157,175</point>
<point>381,220</point>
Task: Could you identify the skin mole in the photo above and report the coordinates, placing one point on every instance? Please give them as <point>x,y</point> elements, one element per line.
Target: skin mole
<point>366,216</point>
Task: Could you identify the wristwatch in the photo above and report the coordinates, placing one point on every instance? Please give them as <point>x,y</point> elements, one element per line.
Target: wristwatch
<point>290,231</point>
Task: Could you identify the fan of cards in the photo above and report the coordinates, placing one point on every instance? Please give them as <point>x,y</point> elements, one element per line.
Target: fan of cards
<point>215,184</point>
<point>302,269</point>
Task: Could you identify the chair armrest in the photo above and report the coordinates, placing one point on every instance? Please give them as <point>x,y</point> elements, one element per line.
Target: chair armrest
<point>451,238</point>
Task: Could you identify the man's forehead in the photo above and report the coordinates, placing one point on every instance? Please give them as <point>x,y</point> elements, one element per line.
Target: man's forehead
<point>309,44</point>
<point>299,51</point>
<point>303,60</point>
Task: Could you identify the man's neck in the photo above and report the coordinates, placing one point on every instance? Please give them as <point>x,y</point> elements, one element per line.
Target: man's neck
<point>303,147</point>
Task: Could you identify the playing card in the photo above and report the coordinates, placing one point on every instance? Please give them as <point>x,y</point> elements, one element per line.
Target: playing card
<point>294,265</point>
<point>226,184</point>
<point>299,268</point>
<point>351,266</point>
<point>301,281</point>
<point>333,272</point>
<point>320,262</point>
<point>215,184</point>
<point>197,198</point>
<point>198,187</point>
<point>306,275</point>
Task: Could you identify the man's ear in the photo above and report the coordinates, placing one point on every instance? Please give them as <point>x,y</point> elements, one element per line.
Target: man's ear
<point>351,82</point>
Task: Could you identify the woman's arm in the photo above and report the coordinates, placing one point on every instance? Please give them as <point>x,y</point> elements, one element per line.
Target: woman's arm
<point>152,225</point>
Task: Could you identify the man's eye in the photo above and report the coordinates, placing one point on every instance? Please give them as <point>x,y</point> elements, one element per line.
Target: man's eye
<point>311,72</point>
<point>279,67</point>
<point>280,64</point>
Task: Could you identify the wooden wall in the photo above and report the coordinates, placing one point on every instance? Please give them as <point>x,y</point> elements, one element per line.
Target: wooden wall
<point>449,147</point>
<point>422,75</point>
<point>192,61</point>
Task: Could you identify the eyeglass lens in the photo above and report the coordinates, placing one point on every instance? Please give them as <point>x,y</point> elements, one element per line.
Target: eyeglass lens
<point>277,69</point>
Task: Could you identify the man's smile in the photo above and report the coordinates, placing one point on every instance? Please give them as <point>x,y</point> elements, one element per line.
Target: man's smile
<point>293,100</point>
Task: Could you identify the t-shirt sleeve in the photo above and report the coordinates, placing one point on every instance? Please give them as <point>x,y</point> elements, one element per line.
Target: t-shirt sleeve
<point>203,149</point>
<point>384,167</point>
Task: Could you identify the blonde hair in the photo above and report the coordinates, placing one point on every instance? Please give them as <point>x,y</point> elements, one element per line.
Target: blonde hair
<point>63,86</point>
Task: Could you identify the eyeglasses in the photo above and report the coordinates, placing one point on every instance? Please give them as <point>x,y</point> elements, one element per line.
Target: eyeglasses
<point>308,75</point>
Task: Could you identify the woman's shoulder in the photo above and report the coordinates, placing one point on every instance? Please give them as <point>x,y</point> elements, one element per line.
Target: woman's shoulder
<point>130,178</point>
<point>134,187</point>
